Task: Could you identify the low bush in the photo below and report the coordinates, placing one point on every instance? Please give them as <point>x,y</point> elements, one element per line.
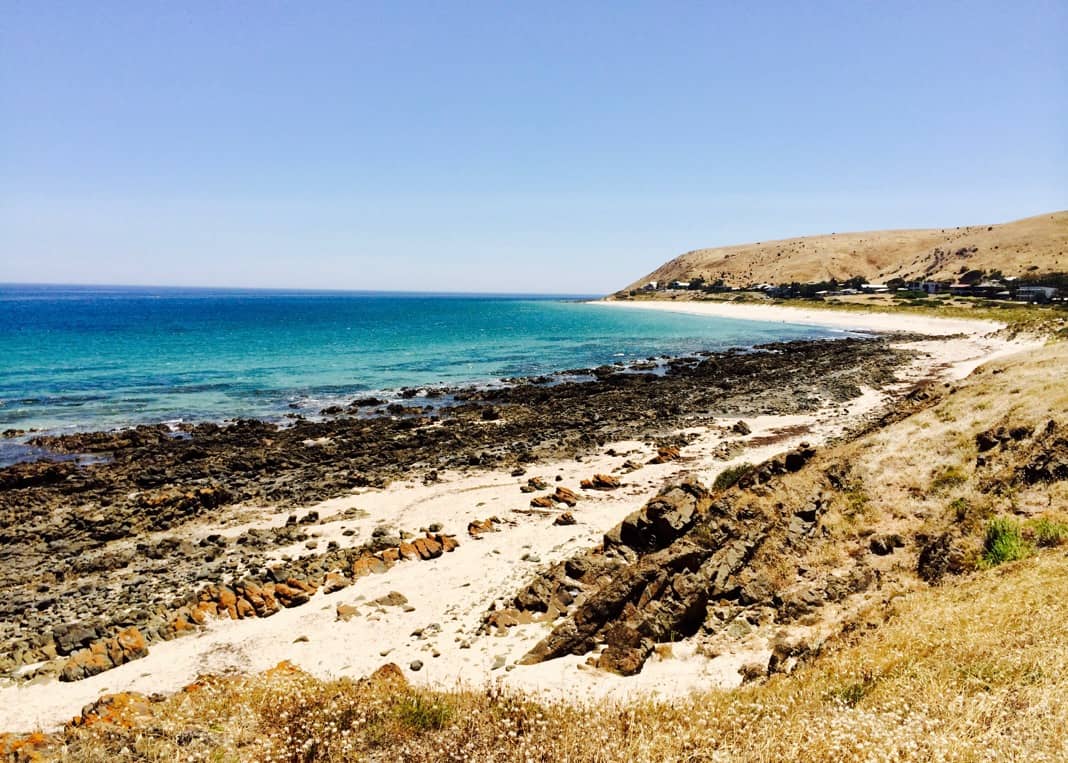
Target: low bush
<point>421,714</point>
<point>1048,533</point>
<point>1004,542</point>
<point>947,478</point>
<point>730,476</point>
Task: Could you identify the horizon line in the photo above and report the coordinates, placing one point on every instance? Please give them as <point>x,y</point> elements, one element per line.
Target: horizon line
<point>313,289</point>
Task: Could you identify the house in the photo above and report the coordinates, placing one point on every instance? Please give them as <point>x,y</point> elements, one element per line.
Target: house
<point>983,289</point>
<point>988,288</point>
<point>680,284</point>
<point>1037,294</point>
<point>874,288</point>
<point>651,286</point>
<point>928,287</point>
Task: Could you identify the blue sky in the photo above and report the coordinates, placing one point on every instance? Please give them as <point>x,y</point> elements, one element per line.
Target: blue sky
<point>564,147</point>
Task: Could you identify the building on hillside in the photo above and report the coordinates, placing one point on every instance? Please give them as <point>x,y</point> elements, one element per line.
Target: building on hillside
<point>929,287</point>
<point>680,284</point>
<point>874,288</point>
<point>651,286</point>
<point>987,289</point>
<point>1037,294</point>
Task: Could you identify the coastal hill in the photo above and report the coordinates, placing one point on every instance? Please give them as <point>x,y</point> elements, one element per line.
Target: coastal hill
<point>1032,246</point>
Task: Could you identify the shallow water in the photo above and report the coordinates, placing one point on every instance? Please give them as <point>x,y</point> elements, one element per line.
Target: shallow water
<point>84,357</point>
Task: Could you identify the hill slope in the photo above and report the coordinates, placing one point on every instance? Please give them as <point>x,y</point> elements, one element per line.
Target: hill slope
<point>1032,245</point>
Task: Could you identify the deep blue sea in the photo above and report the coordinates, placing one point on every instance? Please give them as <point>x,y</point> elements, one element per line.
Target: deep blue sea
<point>89,357</point>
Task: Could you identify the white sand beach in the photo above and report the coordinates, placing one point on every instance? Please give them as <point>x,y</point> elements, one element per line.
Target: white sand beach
<point>850,321</point>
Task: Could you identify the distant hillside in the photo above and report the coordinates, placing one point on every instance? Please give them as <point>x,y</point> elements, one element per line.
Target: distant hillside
<point>1029,246</point>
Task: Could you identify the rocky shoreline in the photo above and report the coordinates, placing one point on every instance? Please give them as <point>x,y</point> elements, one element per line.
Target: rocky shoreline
<point>90,551</point>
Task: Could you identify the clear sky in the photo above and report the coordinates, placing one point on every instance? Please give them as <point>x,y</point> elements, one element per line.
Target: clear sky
<point>568,147</point>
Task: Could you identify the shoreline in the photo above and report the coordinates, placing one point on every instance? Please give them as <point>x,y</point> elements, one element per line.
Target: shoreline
<point>448,596</point>
<point>876,322</point>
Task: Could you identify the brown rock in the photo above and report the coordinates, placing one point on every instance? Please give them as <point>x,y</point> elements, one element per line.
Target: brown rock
<point>663,518</point>
<point>260,597</point>
<point>367,564</point>
<point>664,455</point>
<point>390,675</point>
<point>125,710</point>
<point>245,609</point>
<point>390,555</point>
<point>476,528</point>
<point>85,663</point>
<point>624,660</point>
<point>567,518</point>
<point>391,599</point>
<point>105,654</point>
<point>428,548</point>
<point>203,611</point>
<point>303,585</point>
<point>448,543</point>
<point>601,482</point>
<point>542,502</point>
<point>346,612</point>
<point>131,644</point>
<point>566,496</point>
<point>183,622</point>
<point>335,581</point>
<point>289,596</point>
<point>408,552</point>
<point>227,600</point>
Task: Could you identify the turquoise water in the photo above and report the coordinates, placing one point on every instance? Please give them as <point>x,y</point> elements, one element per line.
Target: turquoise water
<point>101,357</point>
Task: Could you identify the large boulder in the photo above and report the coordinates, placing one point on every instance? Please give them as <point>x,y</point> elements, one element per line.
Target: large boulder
<point>663,519</point>
<point>642,591</point>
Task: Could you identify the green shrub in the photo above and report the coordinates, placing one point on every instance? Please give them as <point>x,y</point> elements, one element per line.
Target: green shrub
<point>948,477</point>
<point>1004,542</point>
<point>961,508</point>
<point>851,694</point>
<point>730,476</point>
<point>1048,533</point>
<point>420,714</point>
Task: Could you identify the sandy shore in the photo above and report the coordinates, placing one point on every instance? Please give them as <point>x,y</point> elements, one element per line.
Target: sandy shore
<point>850,321</point>
<point>448,596</point>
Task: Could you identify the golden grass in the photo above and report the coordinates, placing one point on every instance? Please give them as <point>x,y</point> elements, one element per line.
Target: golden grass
<point>975,672</point>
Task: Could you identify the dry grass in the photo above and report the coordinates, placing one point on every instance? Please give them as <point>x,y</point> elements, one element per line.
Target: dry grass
<point>1039,242</point>
<point>975,672</point>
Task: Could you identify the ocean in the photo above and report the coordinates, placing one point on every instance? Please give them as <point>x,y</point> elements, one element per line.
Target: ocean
<point>92,357</point>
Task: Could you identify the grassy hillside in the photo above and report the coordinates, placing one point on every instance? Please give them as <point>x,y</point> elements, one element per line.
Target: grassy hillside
<point>1032,245</point>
